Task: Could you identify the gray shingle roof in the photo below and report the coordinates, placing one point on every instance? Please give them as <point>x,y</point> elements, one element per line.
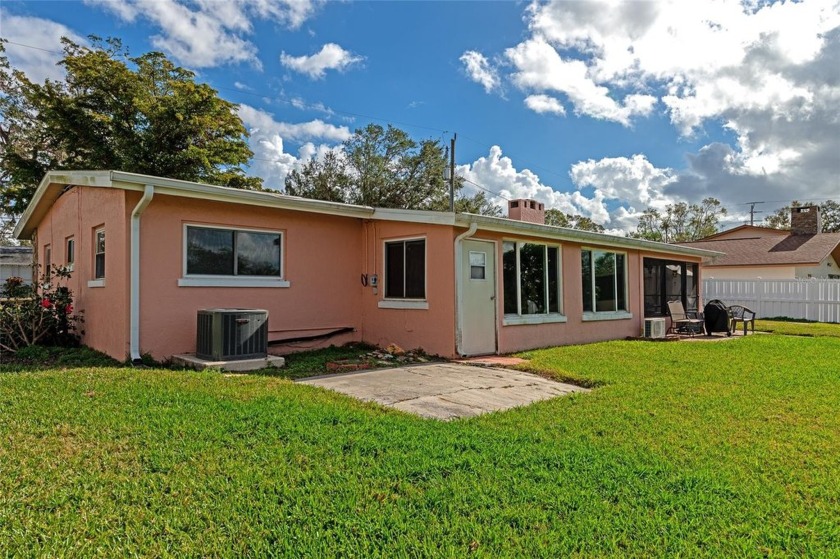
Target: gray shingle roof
<point>770,250</point>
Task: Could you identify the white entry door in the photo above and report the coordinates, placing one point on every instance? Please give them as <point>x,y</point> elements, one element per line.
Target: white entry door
<point>478,298</point>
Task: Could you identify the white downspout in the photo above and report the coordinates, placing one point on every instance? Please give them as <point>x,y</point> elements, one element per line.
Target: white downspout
<point>134,286</point>
<point>459,283</point>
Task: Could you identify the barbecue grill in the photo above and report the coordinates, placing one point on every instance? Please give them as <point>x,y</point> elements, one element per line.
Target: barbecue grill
<point>717,317</point>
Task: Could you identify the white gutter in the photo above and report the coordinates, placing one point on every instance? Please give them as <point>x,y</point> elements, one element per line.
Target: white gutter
<point>134,289</point>
<point>459,283</point>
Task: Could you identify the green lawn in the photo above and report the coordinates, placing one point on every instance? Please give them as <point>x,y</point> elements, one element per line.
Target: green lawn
<point>794,328</point>
<point>719,449</point>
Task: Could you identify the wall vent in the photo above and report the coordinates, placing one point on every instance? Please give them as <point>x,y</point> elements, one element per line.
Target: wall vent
<point>230,334</point>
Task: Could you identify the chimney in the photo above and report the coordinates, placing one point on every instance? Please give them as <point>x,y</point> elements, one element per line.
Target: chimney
<point>805,220</point>
<point>526,210</point>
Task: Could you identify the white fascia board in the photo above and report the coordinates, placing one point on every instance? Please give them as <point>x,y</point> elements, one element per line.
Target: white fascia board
<point>188,189</point>
<point>49,189</point>
<point>514,227</point>
<point>414,216</point>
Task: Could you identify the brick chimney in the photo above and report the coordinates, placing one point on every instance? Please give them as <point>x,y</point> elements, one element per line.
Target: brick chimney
<point>527,210</point>
<point>805,220</point>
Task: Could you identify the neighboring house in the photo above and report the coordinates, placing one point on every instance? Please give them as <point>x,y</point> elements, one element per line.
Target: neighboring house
<point>760,252</point>
<point>16,262</point>
<point>150,252</point>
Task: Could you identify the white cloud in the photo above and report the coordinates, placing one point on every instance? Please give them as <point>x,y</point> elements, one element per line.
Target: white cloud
<point>271,161</point>
<point>330,57</point>
<point>766,71</point>
<point>544,104</point>
<point>207,33</point>
<point>37,63</point>
<point>479,70</point>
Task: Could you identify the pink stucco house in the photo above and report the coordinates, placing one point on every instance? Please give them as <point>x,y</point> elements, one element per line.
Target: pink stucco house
<point>147,253</point>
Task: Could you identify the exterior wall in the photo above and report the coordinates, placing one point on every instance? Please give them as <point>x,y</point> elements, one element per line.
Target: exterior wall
<point>827,269</point>
<point>575,330</point>
<point>751,233</point>
<point>77,213</point>
<point>320,253</point>
<point>431,329</point>
<point>749,272</point>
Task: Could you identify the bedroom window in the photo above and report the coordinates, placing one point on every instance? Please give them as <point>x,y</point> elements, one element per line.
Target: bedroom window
<point>213,251</point>
<point>405,269</point>
<point>604,281</point>
<point>531,277</point>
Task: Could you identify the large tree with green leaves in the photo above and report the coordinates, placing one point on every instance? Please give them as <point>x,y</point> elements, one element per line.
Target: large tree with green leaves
<point>141,114</point>
<point>384,167</point>
<point>829,215</point>
<point>680,222</point>
<point>573,221</point>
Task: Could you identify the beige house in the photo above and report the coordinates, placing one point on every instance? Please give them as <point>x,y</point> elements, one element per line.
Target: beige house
<point>761,252</point>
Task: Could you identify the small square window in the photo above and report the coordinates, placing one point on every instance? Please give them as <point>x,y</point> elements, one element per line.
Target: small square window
<point>478,265</point>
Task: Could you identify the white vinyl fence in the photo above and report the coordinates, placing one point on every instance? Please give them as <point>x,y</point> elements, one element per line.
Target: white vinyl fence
<point>810,299</point>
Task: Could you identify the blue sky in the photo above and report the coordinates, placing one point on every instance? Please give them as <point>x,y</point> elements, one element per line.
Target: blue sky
<point>598,108</point>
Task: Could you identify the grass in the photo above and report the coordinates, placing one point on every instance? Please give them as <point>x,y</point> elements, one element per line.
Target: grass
<point>794,328</point>
<point>686,449</point>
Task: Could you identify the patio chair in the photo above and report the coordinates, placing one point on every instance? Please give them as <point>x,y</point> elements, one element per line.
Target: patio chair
<point>681,322</point>
<point>744,315</point>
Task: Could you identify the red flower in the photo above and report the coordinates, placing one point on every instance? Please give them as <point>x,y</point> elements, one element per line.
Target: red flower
<point>46,303</point>
<point>68,309</point>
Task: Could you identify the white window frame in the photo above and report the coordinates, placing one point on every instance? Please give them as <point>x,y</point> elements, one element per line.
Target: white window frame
<point>484,254</point>
<point>216,280</point>
<point>419,303</point>
<point>510,319</point>
<point>620,314</point>
<point>69,264</point>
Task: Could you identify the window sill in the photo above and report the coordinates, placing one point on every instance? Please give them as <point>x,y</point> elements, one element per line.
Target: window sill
<point>403,304</point>
<point>232,282</point>
<point>96,283</point>
<point>515,320</point>
<point>611,315</point>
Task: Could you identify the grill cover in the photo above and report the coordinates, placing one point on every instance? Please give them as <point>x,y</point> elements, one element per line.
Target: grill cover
<point>717,317</point>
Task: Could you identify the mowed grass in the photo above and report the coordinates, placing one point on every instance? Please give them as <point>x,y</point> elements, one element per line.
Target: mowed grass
<point>793,328</point>
<point>719,449</point>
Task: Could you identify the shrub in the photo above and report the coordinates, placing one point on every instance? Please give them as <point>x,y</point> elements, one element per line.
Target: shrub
<point>38,314</point>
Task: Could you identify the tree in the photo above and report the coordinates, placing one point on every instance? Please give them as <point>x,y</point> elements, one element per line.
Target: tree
<point>573,221</point>
<point>829,215</point>
<point>384,167</point>
<point>681,222</point>
<point>140,114</point>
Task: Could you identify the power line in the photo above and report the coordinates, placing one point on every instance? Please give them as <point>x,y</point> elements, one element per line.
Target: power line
<point>485,189</point>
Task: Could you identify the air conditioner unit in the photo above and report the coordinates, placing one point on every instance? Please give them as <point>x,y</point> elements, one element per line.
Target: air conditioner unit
<point>230,334</point>
<point>655,328</point>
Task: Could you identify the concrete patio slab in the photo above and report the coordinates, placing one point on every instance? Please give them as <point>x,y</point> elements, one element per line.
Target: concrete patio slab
<point>445,390</point>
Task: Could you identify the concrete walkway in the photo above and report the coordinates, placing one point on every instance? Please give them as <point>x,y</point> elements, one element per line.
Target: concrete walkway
<point>445,390</point>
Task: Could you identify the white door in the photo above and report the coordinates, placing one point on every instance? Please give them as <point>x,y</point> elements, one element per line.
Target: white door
<point>478,298</point>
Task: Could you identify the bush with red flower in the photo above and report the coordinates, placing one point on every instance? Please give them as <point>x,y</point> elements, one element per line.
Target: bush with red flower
<point>38,314</point>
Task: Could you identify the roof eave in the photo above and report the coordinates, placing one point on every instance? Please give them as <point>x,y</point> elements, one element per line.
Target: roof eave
<point>504,225</point>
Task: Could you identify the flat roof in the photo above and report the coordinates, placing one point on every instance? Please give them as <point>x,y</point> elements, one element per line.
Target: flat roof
<point>54,183</point>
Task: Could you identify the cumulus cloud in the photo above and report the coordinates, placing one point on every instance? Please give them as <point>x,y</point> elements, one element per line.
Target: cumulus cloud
<point>330,57</point>
<point>39,63</point>
<point>544,104</point>
<point>271,161</point>
<point>479,70</point>
<point>765,71</point>
<point>208,33</point>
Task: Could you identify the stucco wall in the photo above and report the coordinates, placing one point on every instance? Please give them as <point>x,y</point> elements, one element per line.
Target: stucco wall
<point>828,267</point>
<point>78,212</point>
<point>321,258</point>
<point>431,329</point>
<point>575,330</point>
